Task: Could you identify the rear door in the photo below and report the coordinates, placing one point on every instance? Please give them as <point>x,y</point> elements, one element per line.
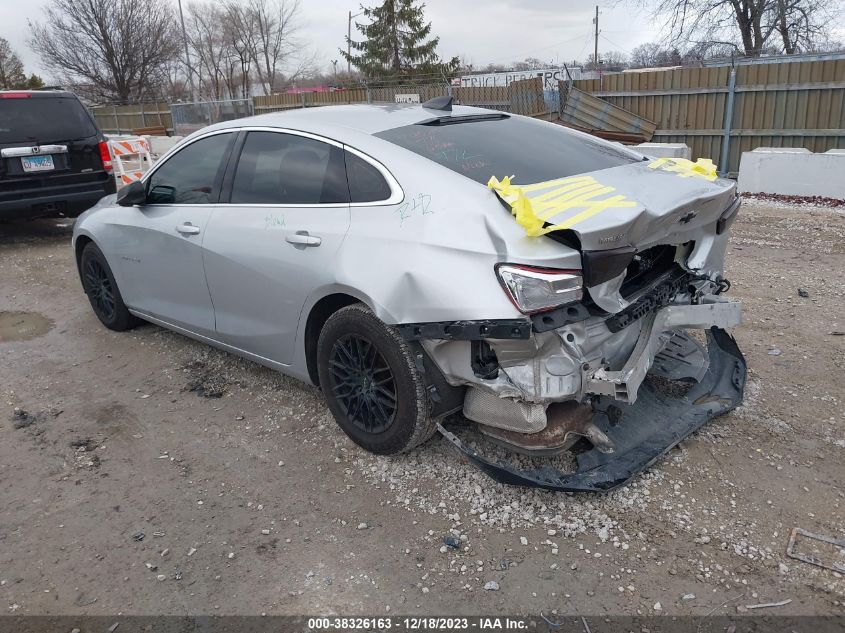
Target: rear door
<point>276,239</point>
<point>47,140</point>
<point>157,247</point>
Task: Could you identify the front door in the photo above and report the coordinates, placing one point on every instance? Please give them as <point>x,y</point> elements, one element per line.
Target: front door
<point>276,240</point>
<point>158,247</point>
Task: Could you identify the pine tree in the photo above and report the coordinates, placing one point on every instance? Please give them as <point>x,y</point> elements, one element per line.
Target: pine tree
<point>397,43</point>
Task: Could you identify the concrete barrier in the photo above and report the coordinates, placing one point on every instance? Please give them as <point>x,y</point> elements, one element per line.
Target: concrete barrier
<point>793,171</point>
<point>665,150</point>
<point>160,144</point>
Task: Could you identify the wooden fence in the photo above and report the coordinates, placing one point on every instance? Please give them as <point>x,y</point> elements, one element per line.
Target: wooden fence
<point>721,112</point>
<point>123,119</point>
<point>496,98</point>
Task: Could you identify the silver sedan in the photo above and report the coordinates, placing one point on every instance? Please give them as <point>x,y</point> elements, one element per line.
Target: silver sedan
<point>417,261</point>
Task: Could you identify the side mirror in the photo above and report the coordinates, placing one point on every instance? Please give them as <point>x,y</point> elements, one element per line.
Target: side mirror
<point>132,194</point>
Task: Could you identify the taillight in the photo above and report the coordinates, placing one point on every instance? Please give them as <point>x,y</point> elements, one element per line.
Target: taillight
<point>533,289</point>
<point>105,156</point>
<point>15,95</point>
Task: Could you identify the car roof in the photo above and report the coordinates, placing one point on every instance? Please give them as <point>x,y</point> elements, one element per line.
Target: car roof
<point>361,118</point>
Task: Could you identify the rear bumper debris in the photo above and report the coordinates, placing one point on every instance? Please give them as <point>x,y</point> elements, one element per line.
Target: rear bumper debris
<point>640,432</point>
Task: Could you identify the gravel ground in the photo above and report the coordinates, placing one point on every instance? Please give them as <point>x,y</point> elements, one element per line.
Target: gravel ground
<point>145,473</point>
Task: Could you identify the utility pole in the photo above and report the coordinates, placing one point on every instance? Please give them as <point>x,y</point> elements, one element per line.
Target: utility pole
<point>349,44</point>
<point>187,54</point>
<point>349,41</point>
<point>596,48</point>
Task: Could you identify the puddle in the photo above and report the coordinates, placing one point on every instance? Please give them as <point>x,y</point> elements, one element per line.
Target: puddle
<point>23,326</point>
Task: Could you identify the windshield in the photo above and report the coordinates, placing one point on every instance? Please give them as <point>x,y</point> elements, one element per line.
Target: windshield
<point>531,151</point>
<point>43,120</point>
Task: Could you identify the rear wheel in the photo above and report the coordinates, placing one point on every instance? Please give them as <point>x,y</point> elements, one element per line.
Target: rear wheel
<point>371,382</point>
<point>103,293</point>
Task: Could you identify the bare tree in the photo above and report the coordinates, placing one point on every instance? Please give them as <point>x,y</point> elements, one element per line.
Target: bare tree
<point>273,40</point>
<point>749,27</point>
<point>239,32</point>
<point>801,24</point>
<point>653,55</point>
<point>531,63</point>
<point>610,61</point>
<point>116,47</point>
<point>210,48</point>
<point>11,67</point>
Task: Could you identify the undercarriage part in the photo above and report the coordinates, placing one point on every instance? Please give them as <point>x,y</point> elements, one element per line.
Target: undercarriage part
<point>681,357</point>
<point>443,398</point>
<point>557,318</point>
<point>466,330</point>
<point>487,408</point>
<point>642,433</point>
<point>484,363</point>
<point>567,423</point>
<point>658,329</point>
<point>659,296</point>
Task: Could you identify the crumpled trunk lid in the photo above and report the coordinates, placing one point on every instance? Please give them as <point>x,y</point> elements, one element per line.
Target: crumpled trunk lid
<point>635,205</point>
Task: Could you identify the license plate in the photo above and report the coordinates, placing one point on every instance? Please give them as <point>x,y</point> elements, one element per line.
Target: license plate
<point>37,163</point>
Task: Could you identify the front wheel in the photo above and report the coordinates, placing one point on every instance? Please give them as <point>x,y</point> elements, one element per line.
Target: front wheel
<point>371,382</point>
<point>103,293</point>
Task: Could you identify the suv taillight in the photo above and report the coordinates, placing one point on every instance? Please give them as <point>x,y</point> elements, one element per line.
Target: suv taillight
<point>533,289</point>
<point>105,156</point>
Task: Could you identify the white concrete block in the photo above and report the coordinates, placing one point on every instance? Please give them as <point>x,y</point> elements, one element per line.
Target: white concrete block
<point>160,144</point>
<point>784,150</point>
<point>665,150</point>
<point>792,172</point>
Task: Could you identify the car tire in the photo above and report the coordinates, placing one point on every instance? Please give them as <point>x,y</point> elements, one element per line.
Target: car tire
<point>371,382</point>
<point>103,293</point>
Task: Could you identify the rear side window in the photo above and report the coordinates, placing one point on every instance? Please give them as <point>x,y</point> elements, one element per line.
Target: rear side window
<point>530,151</point>
<point>190,176</point>
<point>366,184</point>
<point>278,168</point>
<point>39,120</point>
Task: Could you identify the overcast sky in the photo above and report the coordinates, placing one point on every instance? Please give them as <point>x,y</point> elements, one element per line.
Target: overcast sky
<point>480,31</point>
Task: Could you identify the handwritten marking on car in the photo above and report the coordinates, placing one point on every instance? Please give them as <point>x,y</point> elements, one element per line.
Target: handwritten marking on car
<point>272,221</point>
<point>414,206</point>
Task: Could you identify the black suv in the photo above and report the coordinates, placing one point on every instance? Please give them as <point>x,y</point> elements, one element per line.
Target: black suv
<point>53,158</point>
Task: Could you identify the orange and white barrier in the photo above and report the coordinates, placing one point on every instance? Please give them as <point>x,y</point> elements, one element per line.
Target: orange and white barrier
<point>130,157</point>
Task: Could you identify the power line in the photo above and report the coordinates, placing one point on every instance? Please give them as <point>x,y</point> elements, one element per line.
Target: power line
<point>534,50</point>
<point>609,41</point>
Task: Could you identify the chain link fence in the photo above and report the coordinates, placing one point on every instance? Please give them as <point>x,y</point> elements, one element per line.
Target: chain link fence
<point>190,117</point>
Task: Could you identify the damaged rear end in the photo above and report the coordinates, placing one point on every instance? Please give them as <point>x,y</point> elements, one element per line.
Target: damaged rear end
<point>621,355</point>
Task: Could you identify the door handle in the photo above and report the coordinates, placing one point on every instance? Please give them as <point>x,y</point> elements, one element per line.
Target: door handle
<point>188,229</point>
<point>301,238</point>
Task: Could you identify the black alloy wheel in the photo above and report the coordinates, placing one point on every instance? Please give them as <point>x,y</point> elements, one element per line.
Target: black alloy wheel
<point>372,382</point>
<point>363,383</point>
<point>100,290</point>
<point>103,293</point>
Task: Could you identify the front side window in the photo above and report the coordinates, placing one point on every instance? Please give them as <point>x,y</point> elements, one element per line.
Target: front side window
<point>278,168</point>
<point>191,175</point>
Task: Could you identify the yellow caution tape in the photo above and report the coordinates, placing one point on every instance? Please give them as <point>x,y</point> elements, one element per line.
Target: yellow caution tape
<point>702,168</point>
<point>579,194</point>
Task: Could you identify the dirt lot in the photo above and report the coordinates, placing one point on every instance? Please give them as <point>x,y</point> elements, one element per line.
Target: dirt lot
<point>250,500</point>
